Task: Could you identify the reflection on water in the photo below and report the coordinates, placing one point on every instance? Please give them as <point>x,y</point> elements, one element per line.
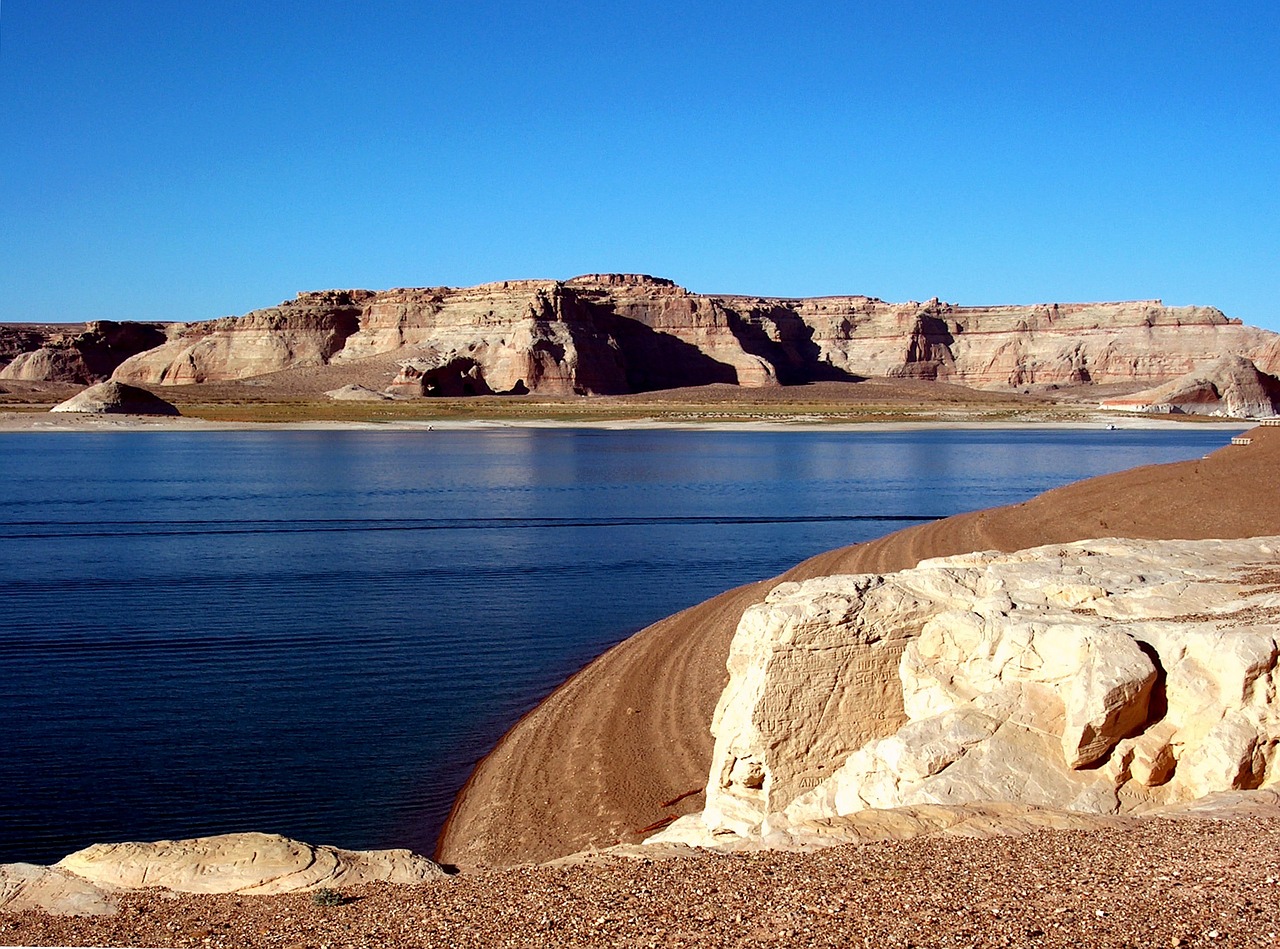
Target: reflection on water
<point>318,634</point>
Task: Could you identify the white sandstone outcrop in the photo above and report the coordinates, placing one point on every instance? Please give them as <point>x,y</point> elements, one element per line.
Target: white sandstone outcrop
<point>26,886</point>
<point>84,882</point>
<point>1105,677</point>
<point>242,863</point>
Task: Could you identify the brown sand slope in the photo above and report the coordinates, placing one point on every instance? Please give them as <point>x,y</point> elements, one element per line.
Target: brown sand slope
<point>603,757</point>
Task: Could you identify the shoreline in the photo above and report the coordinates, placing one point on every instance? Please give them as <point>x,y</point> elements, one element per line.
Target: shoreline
<point>628,737</point>
<point>22,422</point>
<point>682,719</point>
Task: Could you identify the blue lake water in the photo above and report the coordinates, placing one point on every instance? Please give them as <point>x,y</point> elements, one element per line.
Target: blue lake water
<point>319,633</point>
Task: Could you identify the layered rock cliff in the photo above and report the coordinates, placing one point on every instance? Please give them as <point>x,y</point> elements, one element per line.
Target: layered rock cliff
<point>77,354</point>
<point>308,331</point>
<point>612,333</point>
<point>1104,677</point>
<point>1231,386</point>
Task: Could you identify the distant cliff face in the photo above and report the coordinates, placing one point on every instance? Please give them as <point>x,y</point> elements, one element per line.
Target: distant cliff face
<point>1013,346</point>
<point>618,333</point>
<point>1230,386</point>
<point>308,331</point>
<point>81,354</point>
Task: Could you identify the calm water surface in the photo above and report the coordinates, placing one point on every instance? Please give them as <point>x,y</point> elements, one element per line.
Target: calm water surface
<point>318,634</point>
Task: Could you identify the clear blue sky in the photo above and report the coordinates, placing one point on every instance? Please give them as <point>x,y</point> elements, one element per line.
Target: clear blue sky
<point>165,160</point>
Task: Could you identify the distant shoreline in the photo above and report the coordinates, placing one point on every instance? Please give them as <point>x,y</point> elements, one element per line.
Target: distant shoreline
<point>14,422</point>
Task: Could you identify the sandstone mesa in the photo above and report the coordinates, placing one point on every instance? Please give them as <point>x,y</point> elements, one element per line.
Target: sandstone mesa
<point>608,334</point>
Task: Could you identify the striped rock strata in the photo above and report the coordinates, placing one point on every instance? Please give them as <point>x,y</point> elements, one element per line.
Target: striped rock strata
<point>1231,386</point>
<point>612,333</point>
<point>82,354</point>
<point>1104,677</point>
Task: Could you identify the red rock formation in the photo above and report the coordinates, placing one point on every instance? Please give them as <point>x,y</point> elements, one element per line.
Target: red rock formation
<point>616,333</point>
<point>81,354</point>
<point>1230,386</point>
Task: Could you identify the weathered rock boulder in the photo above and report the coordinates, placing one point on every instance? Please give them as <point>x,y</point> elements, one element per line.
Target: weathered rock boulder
<point>116,398</point>
<point>1103,677</point>
<point>357,393</point>
<point>84,882</point>
<point>80,355</point>
<point>1231,386</point>
<point>242,863</point>
<point>28,886</point>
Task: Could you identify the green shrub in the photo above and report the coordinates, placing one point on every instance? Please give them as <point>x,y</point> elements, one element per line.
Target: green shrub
<point>327,897</point>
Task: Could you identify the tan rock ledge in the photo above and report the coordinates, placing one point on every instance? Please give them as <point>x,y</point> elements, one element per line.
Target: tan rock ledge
<point>83,883</point>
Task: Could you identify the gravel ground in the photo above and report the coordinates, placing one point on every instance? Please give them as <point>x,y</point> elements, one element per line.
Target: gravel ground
<point>1165,884</point>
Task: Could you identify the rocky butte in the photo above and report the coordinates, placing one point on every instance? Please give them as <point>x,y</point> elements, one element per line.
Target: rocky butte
<point>621,333</point>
